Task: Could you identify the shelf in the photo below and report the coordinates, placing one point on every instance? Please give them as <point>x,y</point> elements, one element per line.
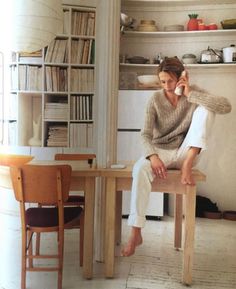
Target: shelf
<point>205,33</point>
<point>176,2</point>
<point>198,65</point>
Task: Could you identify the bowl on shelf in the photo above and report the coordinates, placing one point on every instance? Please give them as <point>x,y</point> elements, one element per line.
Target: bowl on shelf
<point>189,58</point>
<point>14,160</point>
<point>174,28</point>
<point>147,26</point>
<point>137,60</point>
<point>228,24</point>
<point>151,80</point>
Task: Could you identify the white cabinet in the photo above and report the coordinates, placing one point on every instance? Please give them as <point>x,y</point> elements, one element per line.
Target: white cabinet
<point>55,89</point>
<point>131,109</point>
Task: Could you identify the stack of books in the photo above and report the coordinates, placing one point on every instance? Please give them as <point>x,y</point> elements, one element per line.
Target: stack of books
<point>56,110</point>
<point>57,135</point>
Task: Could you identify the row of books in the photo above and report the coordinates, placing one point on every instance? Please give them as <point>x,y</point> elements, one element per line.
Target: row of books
<point>57,135</point>
<point>57,51</point>
<point>56,110</point>
<point>83,23</point>
<point>82,51</point>
<point>82,80</point>
<point>81,135</point>
<point>56,78</point>
<point>30,77</point>
<point>81,107</point>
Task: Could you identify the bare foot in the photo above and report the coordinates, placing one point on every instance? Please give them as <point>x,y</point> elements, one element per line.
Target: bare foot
<point>186,176</point>
<point>134,241</point>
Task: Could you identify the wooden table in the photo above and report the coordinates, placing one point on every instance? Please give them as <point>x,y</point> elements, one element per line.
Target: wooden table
<point>83,178</point>
<point>121,179</point>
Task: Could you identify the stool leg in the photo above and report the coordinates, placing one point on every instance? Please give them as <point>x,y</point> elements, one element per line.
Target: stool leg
<point>118,217</point>
<point>178,220</point>
<point>190,204</point>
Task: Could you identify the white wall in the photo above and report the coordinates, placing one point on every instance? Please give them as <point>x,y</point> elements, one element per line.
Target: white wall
<point>219,162</point>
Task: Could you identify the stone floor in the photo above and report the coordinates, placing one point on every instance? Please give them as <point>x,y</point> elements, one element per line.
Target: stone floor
<point>156,265</point>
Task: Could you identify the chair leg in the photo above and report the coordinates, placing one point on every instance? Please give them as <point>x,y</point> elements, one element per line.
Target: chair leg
<point>60,259</point>
<point>81,250</point>
<point>30,249</point>
<point>37,247</point>
<point>23,258</point>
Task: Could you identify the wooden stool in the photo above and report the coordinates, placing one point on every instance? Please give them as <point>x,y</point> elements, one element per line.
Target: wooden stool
<point>121,179</point>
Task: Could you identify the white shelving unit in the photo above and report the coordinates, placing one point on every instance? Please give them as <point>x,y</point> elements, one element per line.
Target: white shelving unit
<point>61,100</point>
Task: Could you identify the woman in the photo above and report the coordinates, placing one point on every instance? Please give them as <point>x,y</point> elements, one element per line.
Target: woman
<point>175,131</point>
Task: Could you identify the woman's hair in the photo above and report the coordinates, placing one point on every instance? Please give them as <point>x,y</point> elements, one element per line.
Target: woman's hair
<point>171,65</point>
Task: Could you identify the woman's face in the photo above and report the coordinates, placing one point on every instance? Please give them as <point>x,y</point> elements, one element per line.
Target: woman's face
<point>168,81</point>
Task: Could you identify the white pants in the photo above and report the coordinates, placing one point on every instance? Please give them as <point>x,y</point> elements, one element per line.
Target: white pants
<point>143,176</point>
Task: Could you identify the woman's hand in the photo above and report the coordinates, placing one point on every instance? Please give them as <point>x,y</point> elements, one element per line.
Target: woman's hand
<point>158,167</point>
<point>184,82</point>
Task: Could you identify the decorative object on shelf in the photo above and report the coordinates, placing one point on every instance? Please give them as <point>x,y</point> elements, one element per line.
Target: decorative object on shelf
<point>158,58</point>
<point>193,22</point>
<point>174,28</point>
<point>213,26</point>
<point>137,60</point>
<point>189,58</point>
<point>228,24</point>
<point>211,56</point>
<point>149,81</point>
<point>147,26</point>
<point>35,140</point>
<point>126,22</point>
<point>35,23</point>
<point>14,160</point>
<point>229,54</point>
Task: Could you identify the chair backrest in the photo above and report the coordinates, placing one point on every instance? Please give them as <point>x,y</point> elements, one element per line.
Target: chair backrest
<point>41,183</point>
<point>76,157</point>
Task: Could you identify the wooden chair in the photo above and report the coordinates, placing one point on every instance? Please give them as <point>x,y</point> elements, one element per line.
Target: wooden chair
<point>49,186</point>
<point>74,200</point>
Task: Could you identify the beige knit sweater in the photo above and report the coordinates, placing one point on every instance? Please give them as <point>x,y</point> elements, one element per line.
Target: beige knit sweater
<point>166,126</point>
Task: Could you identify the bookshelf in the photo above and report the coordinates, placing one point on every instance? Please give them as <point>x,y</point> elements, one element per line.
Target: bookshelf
<point>55,87</point>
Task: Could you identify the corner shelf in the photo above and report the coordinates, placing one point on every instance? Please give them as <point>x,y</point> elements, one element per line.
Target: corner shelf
<point>196,33</point>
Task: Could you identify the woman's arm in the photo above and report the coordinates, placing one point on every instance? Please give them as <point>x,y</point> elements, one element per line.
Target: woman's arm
<point>217,104</point>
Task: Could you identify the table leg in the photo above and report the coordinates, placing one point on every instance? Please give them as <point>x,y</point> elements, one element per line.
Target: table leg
<point>89,227</point>
<point>110,227</point>
<point>178,220</point>
<point>190,205</point>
